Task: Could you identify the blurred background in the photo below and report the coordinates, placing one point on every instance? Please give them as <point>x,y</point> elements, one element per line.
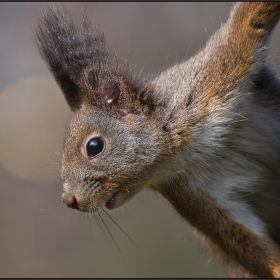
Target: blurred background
<point>39,235</point>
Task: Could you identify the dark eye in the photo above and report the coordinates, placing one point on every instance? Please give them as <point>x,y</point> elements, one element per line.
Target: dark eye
<point>95,147</point>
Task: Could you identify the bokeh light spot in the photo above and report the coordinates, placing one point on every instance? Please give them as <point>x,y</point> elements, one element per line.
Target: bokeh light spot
<point>33,121</point>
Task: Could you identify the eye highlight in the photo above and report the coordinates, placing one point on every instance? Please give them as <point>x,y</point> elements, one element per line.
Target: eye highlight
<point>95,147</point>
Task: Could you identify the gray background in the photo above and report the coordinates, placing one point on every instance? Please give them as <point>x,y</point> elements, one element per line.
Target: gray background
<point>39,236</point>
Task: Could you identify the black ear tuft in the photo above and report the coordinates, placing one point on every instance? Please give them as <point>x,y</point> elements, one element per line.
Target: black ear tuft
<point>83,64</point>
<point>68,50</point>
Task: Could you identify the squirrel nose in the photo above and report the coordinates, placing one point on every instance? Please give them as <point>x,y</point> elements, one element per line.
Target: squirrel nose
<point>70,201</point>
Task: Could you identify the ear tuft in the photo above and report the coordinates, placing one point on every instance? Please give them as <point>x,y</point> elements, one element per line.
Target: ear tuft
<point>68,50</point>
<point>84,66</point>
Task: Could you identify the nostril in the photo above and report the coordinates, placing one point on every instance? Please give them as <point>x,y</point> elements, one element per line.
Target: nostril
<point>70,201</point>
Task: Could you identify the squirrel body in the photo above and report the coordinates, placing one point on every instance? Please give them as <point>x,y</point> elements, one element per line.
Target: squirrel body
<point>205,133</point>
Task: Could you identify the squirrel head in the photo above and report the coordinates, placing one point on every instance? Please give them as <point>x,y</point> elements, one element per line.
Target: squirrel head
<point>123,129</point>
<point>113,142</point>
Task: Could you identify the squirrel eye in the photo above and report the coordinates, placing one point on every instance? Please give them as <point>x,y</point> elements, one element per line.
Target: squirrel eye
<point>95,147</point>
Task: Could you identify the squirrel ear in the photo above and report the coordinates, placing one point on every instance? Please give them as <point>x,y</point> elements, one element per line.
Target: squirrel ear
<point>105,85</point>
<point>82,63</point>
<point>56,39</point>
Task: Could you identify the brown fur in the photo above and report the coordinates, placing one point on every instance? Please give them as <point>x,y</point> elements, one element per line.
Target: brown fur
<point>205,133</point>
<point>231,238</point>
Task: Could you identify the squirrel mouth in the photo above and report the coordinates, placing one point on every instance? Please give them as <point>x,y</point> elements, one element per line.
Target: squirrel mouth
<point>117,199</point>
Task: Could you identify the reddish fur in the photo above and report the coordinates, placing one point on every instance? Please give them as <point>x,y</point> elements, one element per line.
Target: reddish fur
<point>231,238</point>
<point>248,25</point>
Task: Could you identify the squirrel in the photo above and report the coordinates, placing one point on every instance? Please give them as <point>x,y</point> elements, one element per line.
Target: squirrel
<point>205,133</point>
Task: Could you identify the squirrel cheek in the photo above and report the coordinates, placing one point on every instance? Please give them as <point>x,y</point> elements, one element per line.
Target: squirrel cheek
<point>117,199</point>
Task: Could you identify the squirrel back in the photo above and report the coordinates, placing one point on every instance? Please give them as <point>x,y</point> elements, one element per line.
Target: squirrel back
<point>204,133</point>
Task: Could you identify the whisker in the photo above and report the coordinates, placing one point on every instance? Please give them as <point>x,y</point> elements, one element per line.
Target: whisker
<point>84,223</point>
<point>50,164</point>
<point>140,200</point>
<point>55,170</point>
<point>88,218</point>
<point>57,153</point>
<point>113,239</point>
<point>120,228</point>
<point>100,225</point>
<point>51,207</point>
